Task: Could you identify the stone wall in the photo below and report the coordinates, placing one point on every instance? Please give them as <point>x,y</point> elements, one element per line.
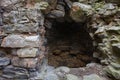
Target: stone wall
<point>103,20</point>
<point>22,40</point>
<point>22,33</point>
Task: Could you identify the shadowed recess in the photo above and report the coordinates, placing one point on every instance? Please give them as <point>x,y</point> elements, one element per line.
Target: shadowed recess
<point>69,45</point>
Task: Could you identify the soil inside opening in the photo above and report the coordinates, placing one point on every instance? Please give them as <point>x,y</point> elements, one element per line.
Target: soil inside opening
<point>69,45</point>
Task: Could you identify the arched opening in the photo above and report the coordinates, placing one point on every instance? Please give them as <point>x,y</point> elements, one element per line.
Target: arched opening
<point>69,45</point>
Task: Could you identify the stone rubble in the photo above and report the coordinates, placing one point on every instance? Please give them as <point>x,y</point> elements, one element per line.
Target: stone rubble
<point>84,73</point>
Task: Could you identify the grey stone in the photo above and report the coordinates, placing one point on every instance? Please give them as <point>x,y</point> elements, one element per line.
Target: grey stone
<point>116,47</point>
<point>63,69</point>
<point>50,68</point>
<point>13,28</point>
<point>109,6</point>
<point>113,1</point>
<point>32,73</point>
<point>42,5</point>
<point>83,6</point>
<point>2,53</point>
<point>92,77</point>
<point>4,61</point>
<point>1,16</point>
<point>1,78</point>
<point>87,9</point>
<point>5,2</point>
<point>60,7</point>
<point>89,65</point>
<point>113,29</point>
<point>19,40</point>
<point>11,72</point>
<point>106,62</point>
<point>107,10</point>
<point>72,77</point>
<point>21,20</point>
<point>79,10</point>
<point>69,3</point>
<point>88,1</point>
<point>100,30</point>
<point>51,77</point>
<point>27,52</point>
<point>115,65</point>
<point>114,38</point>
<point>22,15</point>
<point>56,14</point>
<point>113,72</point>
<point>25,62</point>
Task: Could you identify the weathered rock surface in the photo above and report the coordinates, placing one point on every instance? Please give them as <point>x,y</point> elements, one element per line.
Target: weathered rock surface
<point>51,77</point>
<point>8,2</point>
<point>56,14</point>
<point>27,52</point>
<point>13,28</point>
<point>62,69</point>
<point>23,20</point>
<point>22,32</point>
<point>113,1</point>
<point>2,54</point>
<point>25,62</point>
<point>116,47</point>
<point>112,71</point>
<point>19,40</point>
<point>107,34</point>
<point>92,77</point>
<point>4,61</point>
<point>21,28</point>
<point>115,65</point>
<point>92,71</point>
<point>107,10</point>
<point>41,5</point>
<point>80,11</point>
<point>11,72</point>
<point>72,77</point>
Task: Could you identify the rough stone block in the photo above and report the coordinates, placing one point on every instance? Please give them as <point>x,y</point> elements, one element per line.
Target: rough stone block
<point>25,62</point>
<point>27,52</point>
<point>11,72</point>
<point>21,20</point>
<point>113,72</point>
<point>92,77</point>
<point>4,61</point>
<point>22,16</point>
<point>20,40</point>
<point>12,28</point>
<point>79,10</point>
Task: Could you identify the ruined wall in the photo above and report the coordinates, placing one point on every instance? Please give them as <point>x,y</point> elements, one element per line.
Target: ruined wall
<point>22,39</point>
<point>103,26</point>
<point>22,33</point>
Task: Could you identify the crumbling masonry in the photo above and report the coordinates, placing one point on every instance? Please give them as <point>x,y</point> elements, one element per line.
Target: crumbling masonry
<point>25,26</point>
